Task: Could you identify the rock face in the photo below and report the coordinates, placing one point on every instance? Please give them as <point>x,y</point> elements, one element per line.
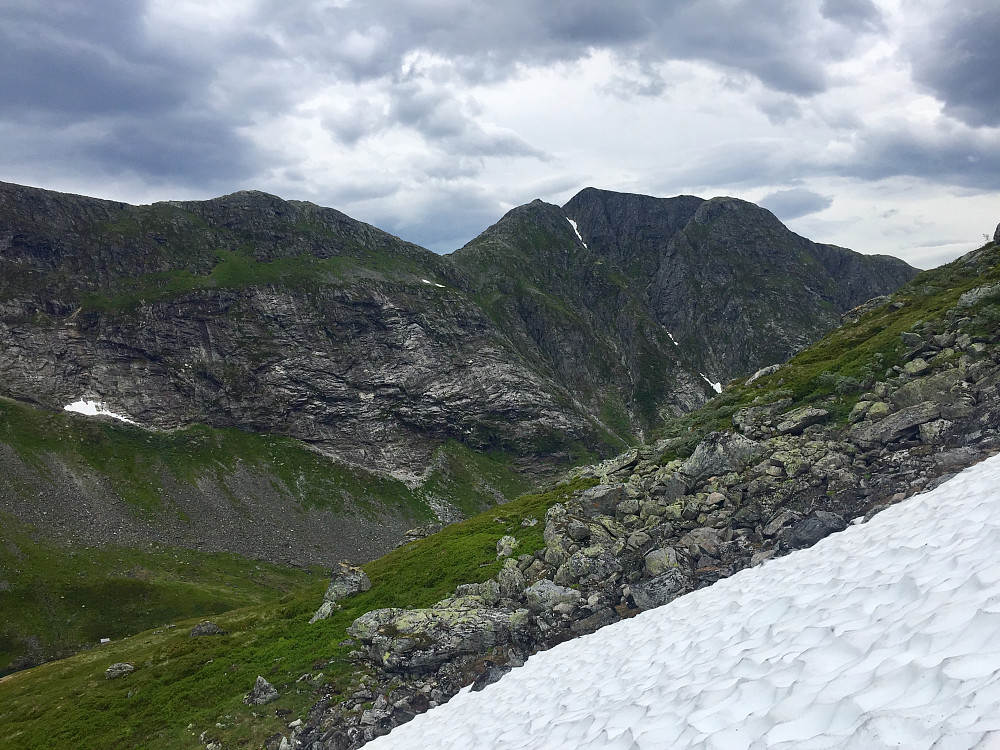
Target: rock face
<point>282,318</point>
<point>703,265</point>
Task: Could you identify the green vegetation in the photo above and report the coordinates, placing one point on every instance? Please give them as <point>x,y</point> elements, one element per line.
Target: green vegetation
<point>181,682</point>
<point>57,599</point>
<point>837,369</point>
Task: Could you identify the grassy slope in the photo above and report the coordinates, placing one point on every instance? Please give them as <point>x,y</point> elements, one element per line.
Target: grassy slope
<point>56,600</point>
<point>836,370</point>
<point>200,682</point>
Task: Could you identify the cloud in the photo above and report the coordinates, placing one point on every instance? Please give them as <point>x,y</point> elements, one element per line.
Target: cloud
<point>955,54</point>
<point>794,203</point>
<point>859,15</point>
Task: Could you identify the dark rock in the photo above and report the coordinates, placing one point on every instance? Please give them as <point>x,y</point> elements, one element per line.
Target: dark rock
<point>655,592</point>
<point>719,453</point>
<point>206,628</point>
<point>795,421</point>
<point>810,530</point>
<point>895,426</point>
<point>602,499</point>
<point>492,674</point>
<point>544,595</point>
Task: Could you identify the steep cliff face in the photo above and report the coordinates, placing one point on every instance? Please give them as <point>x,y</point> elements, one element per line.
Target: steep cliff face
<point>251,312</point>
<point>726,278</point>
<point>558,334</point>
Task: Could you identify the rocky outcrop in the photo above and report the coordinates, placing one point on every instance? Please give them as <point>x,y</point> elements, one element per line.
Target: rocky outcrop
<point>657,527</point>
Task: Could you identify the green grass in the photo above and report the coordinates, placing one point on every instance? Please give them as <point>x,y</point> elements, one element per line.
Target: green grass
<point>200,682</point>
<point>57,599</point>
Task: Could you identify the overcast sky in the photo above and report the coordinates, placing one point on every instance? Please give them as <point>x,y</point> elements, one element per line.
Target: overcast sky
<point>873,124</point>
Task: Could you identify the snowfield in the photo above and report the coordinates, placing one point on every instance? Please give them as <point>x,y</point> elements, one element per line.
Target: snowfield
<point>886,635</point>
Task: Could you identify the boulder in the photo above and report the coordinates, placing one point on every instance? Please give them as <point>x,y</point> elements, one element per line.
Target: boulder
<point>206,628</point>
<point>720,453</point>
<point>602,500</point>
<point>811,529</point>
<point>121,669</point>
<point>895,426</point>
<point>421,640</point>
<point>263,692</point>
<point>511,580</point>
<point>545,595</point>
<point>325,610</point>
<point>795,421</point>
<point>506,545</point>
<point>659,561</point>
<point>346,580</point>
<point>588,566</point>
<point>660,590</point>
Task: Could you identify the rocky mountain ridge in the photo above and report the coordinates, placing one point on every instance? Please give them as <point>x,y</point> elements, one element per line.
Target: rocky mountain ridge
<point>281,317</point>
<point>775,472</point>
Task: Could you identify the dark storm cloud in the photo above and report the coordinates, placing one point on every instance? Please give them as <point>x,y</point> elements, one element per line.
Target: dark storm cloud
<point>956,56</point>
<point>794,203</point>
<point>100,98</point>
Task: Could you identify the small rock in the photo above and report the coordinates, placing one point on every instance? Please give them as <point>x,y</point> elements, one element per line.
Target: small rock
<point>506,545</point>
<point>346,580</point>
<point>206,628</point>
<point>263,692</point>
<point>121,669</point>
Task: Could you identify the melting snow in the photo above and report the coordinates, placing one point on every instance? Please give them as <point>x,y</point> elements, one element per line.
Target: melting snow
<point>575,229</point>
<point>428,281</point>
<point>674,340</point>
<point>884,635</point>
<point>716,386</point>
<point>93,409</point>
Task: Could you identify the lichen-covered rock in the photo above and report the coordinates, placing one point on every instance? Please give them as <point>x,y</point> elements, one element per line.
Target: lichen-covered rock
<point>545,595</point>
<point>402,640</point>
<point>720,453</point>
<point>262,693</point>
<point>346,580</point>
<point>659,561</point>
<point>795,421</point>
<point>121,669</point>
<point>664,588</point>
<point>511,580</point>
<point>896,425</point>
<point>206,628</point>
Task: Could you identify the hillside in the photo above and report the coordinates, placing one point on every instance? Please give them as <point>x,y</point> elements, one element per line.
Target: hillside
<point>899,398</point>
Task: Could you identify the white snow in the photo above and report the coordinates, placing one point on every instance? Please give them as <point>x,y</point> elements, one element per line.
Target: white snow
<point>674,340</point>
<point>428,281</point>
<point>884,635</point>
<point>577,230</point>
<point>93,409</point>
<point>717,387</point>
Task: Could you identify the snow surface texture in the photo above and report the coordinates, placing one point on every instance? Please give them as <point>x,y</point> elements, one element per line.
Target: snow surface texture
<point>884,635</point>
<point>94,409</point>
<point>717,387</point>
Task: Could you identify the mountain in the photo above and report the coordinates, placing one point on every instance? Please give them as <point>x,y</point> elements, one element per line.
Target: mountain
<point>731,283</point>
<point>900,397</point>
<point>323,380</point>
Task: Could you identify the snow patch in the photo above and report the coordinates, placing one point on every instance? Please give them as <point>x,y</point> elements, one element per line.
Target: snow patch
<point>576,229</point>
<point>433,283</point>
<point>95,409</point>
<point>674,340</point>
<point>884,635</point>
<point>717,387</point>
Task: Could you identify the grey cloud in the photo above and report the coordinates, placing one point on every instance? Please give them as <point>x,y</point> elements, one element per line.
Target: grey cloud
<point>956,56</point>
<point>794,203</point>
<point>862,15</point>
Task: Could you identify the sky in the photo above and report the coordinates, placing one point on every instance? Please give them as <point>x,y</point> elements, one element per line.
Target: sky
<point>872,124</point>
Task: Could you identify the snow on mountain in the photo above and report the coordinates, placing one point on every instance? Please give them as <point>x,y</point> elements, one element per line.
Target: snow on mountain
<point>884,635</point>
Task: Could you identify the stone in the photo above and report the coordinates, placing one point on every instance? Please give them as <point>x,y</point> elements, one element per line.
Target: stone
<point>602,499</point>
<point>810,530</point>
<point>701,541</point>
<point>895,426</point>
<point>664,588</point>
<point>121,669</point>
<point>492,673</point>
<point>659,561</point>
<point>346,580</point>
<point>917,366</point>
<point>511,580</point>
<point>263,692</point>
<point>795,421</point>
<point>578,531</point>
<point>505,546</point>
<point>421,640</point>
<point>325,610</point>
<point>206,628</point>
<point>589,565</point>
<point>720,453</point>
<point>780,519</point>
<point>879,410</point>
<point>544,595</point>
